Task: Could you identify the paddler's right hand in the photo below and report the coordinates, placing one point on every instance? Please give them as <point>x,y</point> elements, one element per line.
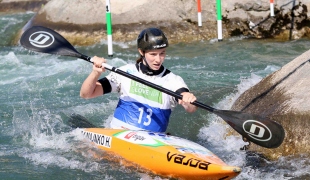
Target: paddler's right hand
<point>97,61</point>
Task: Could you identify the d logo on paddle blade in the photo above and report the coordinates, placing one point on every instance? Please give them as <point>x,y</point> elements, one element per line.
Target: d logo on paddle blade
<point>257,130</point>
<point>41,39</point>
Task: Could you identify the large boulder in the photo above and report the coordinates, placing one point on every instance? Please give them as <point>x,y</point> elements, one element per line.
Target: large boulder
<point>84,21</point>
<point>284,97</point>
<point>252,18</point>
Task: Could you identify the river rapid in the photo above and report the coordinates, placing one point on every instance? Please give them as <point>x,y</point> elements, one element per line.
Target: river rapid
<point>38,92</point>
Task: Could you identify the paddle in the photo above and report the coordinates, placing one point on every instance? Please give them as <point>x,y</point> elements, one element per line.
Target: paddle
<point>254,128</point>
<point>78,121</point>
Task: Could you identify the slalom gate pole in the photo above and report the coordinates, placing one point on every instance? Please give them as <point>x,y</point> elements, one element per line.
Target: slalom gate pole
<point>219,20</point>
<point>199,13</point>
<point>109,28</point>
<point>271,8</point>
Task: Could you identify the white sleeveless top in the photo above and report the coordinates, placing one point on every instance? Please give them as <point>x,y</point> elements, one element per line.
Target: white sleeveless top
<point>140,106</point>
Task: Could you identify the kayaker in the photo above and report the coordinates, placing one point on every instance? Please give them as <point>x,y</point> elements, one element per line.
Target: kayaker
<point>140,106</point>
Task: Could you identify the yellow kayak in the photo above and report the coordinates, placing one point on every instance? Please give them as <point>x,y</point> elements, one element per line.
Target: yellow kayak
<point>162,154</point>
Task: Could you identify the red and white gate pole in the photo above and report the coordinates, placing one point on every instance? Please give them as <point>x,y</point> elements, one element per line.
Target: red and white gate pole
<point>199,12</point>
<point>271,8</point>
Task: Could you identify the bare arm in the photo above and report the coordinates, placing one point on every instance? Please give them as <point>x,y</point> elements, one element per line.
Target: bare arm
<point>91,88</point>
<point>186,101</point>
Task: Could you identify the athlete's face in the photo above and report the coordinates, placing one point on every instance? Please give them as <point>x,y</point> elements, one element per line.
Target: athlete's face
<point>155,57</point>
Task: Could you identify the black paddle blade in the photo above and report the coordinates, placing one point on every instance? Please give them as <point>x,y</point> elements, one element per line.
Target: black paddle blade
<point>45,40</point>
<point>263,132</point>
<point>78,121</point>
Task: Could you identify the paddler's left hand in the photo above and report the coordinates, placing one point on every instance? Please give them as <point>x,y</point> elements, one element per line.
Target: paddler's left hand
<point>187,99</point>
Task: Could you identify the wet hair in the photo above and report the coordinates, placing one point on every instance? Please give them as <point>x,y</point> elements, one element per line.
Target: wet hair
<point>140,59</point>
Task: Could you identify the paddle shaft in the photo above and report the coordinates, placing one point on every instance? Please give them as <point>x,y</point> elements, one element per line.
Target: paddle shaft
<point>155,86</point>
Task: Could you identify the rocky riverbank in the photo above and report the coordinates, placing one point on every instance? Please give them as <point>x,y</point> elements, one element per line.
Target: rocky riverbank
<point>84,22</point>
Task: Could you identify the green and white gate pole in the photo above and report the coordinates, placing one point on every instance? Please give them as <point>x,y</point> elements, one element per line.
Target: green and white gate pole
<point>219,20</point>
<point>109,28</point>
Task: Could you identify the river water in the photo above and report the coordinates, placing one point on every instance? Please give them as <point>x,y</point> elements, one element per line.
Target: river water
<point>38,92</point>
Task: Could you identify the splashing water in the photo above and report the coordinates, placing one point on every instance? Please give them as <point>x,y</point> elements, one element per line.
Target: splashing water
<point>38,92</point>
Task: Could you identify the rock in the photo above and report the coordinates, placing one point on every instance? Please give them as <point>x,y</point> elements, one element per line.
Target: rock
<point>83,22</point>
<point>284,97</point>
<point>177,18</point>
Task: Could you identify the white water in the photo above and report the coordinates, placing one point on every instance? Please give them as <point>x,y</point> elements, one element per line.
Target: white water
<point>38,92</point>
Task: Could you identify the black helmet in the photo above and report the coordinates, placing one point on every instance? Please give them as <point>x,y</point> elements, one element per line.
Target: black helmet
<point>152,38</point>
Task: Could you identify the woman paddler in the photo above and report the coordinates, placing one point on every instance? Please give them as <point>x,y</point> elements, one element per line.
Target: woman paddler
<point>140,106</point>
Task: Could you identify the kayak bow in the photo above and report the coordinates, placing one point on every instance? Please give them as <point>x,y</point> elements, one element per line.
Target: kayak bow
<point>162,154</point>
